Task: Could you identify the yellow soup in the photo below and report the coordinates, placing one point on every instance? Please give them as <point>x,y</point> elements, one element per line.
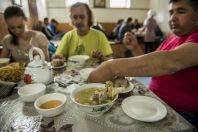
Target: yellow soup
<point>50,104</point>
<point>83,96</point>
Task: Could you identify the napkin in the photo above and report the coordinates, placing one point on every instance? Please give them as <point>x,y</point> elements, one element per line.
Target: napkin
<point>6,88</point>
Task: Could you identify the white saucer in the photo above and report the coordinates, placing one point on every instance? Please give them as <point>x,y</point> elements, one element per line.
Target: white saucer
<point>144,108</point>
<point>59,67</point>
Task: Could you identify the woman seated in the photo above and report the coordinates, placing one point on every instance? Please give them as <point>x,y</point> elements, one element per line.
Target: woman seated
<point>17,43</point>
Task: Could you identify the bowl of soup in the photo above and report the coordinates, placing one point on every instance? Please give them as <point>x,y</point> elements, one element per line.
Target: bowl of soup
<point>30,92</point>
<point>50,105</point>
<point>82,95</point>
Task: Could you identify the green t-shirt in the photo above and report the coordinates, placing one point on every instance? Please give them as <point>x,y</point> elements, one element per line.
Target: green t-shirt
<point>73,44</point>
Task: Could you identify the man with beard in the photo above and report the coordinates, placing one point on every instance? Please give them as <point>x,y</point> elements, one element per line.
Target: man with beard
<point>83,40</point>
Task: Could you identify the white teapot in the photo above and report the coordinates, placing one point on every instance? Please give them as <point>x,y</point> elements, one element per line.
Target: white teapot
<point>37,70</point>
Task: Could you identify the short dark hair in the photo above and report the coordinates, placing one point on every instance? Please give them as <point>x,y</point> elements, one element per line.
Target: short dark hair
<point>12,11</point>
<point>193,3</point>
<point>46,19</point>
<point>54,21</point>
<point>129,19</point>
<point>89,11</point>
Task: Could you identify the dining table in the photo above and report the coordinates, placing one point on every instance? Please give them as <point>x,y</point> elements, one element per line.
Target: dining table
<point>16,115</point>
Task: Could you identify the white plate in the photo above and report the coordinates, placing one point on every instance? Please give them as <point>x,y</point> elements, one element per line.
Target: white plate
<point>144,108</point>
<point>59,67</point>
<point>128,89</point>
<point>84,73</point>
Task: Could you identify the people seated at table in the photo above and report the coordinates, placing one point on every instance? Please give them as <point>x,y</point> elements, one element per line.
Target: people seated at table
<point>114,34</point>
<point>83,40</point>
<point>17,43</point>
<point>174,66</point>
<point>98,26</point>
<point>53,28</point>
<point>48,30</point>
<point>136,24</point>
<point>125,27</point>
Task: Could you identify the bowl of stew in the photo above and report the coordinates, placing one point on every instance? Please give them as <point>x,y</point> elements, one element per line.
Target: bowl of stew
<point>82,95</point>
<point>50,105</point>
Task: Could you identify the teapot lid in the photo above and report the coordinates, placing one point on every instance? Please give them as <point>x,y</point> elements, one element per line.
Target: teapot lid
<point>36,62</point>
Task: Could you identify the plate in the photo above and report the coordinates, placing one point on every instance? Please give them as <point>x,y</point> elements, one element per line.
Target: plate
<point>144,108</point>
<point>84,73</point>
<point>59,67</point>
<point>128,89</point>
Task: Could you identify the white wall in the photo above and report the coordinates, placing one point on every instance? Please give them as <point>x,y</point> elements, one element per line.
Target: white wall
<point>56,9</point>
<point>42,9</point>
<point>5,3</point>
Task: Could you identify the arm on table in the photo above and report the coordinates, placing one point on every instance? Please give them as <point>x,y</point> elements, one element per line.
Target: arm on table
<point>152,64</point>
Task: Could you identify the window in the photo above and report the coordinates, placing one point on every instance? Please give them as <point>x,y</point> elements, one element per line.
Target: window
<point>120,3</point>
<point>70,2</point>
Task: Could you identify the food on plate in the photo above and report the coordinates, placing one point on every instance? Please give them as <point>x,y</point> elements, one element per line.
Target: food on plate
<point>120,82</point>
<point>57,62</point>
<point>12,72</point>
<point>50,104</point>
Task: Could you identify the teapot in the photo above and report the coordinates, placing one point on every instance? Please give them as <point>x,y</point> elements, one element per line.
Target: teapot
<point>37,71</point>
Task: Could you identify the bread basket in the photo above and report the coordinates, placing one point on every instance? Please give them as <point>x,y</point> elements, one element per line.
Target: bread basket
<point>9,76</point>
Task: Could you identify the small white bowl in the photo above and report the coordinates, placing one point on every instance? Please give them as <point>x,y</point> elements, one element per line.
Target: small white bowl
<point>4,61</point>
<point>30,92</point>
<point>53,111</point>
<point>93,110</point>
<point>78,59</point>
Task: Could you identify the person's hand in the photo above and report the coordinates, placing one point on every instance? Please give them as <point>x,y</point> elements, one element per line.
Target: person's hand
<point>97,54</point>
<point>102,73</point>
<point>130,41</point>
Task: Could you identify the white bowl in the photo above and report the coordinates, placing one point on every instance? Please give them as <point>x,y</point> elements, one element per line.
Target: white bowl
<point>84,73</point>
<point>53,111</point>
<point>30,92</point>
<point>78,59</point>
<point>93,110</point>
<point>4,61</point>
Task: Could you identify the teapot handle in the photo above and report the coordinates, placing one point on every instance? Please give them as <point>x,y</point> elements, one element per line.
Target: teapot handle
<point>42,56</point>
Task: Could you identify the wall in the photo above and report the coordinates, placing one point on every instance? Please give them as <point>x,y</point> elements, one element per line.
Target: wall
<point>42,9</point>
<point>56,9</point>
<point>161,7</point>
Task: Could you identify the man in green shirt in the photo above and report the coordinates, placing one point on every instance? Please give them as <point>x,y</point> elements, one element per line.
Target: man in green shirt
<point>84,40</point>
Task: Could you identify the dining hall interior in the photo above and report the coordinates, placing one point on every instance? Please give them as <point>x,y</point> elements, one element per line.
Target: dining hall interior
<point>62,70</point>
<point>104,14</point>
